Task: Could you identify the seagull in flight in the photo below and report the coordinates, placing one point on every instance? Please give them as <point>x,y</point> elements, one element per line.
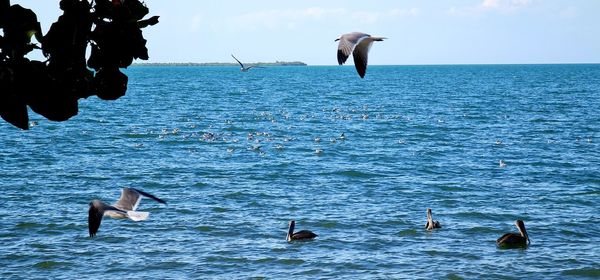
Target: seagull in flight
<point>244,68</point>
<point>358,44</point>
<point>124,208</point>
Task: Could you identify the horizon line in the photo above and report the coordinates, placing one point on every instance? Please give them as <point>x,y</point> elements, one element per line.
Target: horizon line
<point>226,64</point>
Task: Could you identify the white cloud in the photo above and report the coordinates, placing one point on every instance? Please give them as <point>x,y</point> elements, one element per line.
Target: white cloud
<point>504,6</point>
<point>404,12</point>
<point>569,12</point>
<point>374,17</point>
<point>290,19</point>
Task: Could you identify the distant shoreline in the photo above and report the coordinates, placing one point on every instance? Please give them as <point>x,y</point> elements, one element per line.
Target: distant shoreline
<point>276,63</point>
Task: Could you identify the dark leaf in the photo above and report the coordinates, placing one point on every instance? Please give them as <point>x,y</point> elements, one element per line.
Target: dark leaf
<point>19,25</point>
<point>95,59</point>
<point>111,84</point>
<point>137,9</point>
<point>4,6</point>
<point>15,113</point>
<point>151,21</point>
<point>55,105</point>
<point>12,107</point>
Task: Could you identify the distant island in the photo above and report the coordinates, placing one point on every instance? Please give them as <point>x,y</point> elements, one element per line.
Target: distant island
<point>276,63</point>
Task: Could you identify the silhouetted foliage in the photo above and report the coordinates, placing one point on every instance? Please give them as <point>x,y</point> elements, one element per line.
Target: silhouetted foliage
<point>53,87</point>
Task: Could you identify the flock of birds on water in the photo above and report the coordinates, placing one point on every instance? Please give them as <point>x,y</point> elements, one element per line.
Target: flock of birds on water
<point>356,43</point>
<point>126,206</point>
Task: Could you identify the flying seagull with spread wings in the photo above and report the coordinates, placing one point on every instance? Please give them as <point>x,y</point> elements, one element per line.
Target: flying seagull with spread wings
<point>243,68</point>
<point>358,44</point>
<point>124,208</point>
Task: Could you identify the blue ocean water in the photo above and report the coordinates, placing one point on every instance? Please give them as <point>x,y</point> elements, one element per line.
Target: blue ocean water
<point>237,155</point>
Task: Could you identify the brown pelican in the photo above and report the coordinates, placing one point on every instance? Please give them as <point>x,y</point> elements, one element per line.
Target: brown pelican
<point>124,208</point>
<point>243,68</point>
<point>431,224</point>
<point>301,235</point>
<point>513,239</point>
<point>358,44</point>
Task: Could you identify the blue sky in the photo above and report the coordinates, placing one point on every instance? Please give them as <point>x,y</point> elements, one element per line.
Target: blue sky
<point>419,32</point>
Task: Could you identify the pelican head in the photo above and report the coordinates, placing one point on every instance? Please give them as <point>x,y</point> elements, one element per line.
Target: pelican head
<point>431,224</point>
<point>521,226</point>
<point>292,225</point>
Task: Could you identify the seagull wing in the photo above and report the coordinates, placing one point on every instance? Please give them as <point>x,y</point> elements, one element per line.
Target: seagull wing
<point>238,61</point>
<point>94,219</point>
<point>95,214</point>
<point>361,55</point>
<point>347,44</point>
<point>129,200</point>
<point>145,194</point>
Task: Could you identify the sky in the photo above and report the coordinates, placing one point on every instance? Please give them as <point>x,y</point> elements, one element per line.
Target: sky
<point>418,32</point>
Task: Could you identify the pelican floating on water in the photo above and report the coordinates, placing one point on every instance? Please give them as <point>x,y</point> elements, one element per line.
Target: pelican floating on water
<point>124,208</point>
<point>514,239</point>
<point>358,44</point>
<point>431,224</point>
<point>243,68</point>
<point>300,235</point>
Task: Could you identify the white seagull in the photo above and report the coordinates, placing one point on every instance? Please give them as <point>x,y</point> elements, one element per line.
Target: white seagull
<point>358,44</point>
<point>124,208</point>
<point>244,68</point>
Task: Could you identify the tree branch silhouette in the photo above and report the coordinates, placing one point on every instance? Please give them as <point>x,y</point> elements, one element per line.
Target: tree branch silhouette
<point>52,88</point>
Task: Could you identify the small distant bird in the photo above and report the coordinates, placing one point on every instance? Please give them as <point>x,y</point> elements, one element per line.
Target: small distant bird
<point>502,164</point>
<point>358,44</point>
<point>300,235</point>
<point>243,68</point>
<point>124,208</point>
<point>513,239</point>
<point>431,224</point>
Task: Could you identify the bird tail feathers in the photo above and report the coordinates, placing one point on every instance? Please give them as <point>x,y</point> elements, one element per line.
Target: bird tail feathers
<point>137,215</point>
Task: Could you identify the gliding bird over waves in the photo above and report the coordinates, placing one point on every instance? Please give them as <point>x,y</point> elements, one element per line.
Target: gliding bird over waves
<point>513,239</point>
<point>244,68</point>
<point>358,44</point>
<point>124,208</point>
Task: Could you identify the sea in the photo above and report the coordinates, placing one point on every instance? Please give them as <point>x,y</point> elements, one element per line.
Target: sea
<point>237,155</point>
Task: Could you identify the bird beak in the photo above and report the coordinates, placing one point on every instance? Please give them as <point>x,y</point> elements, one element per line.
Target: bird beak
<point>337,39</point>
